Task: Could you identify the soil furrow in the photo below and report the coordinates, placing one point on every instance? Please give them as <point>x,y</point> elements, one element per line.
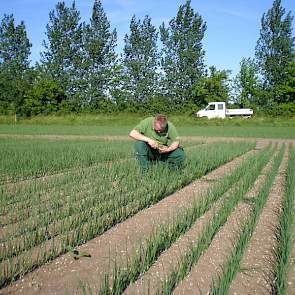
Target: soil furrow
<point>65,272</point>
<point>258,260</point>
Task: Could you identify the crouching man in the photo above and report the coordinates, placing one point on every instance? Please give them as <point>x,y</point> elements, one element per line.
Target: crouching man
<point>157,140</point>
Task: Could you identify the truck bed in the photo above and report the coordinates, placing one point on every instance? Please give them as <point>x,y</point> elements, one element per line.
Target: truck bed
<point>238,112</point>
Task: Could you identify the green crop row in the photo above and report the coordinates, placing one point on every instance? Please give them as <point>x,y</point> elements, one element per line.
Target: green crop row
<point>90,222</point>
<point>56,202</point>
<point>211,228</point>
<point>285,230</point>
<point>29,158</point>
<point>233,265</point>
<point>22,159</point>
<point>106,200</point>
<point>162,239</point>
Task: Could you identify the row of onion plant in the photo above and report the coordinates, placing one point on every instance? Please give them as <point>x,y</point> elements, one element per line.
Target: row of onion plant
<point>190,258</point>
<point>233,264</point>
<point>46,241</point>
<point>122,275</point>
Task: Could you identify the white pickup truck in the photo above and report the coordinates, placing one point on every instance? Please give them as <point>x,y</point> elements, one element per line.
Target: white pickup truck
<point>219,110</point>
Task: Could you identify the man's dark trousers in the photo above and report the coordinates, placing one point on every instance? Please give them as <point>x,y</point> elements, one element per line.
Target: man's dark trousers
<point>145,155</point>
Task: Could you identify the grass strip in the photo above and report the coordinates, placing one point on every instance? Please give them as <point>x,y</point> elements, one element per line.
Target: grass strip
<point>284,232</point>
<point>166,236</point>
<point>233,265</point>
<point>211,228</point>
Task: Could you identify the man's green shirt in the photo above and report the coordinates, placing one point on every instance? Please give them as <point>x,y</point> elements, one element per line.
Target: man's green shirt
<point>146,127</point>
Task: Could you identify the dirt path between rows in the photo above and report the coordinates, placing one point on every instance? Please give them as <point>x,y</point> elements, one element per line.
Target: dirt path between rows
<point>64,273</point>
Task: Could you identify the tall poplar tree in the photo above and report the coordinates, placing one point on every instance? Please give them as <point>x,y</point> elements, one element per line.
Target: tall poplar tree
<point>213,86</point>
<point>100,57</point>
<point>14,63</point>
<point>286,90</point>
<point>247,83</point>
<point>62,58</point>
<point>140,60</point>
<point>275,46</point>
<point>182,54</point>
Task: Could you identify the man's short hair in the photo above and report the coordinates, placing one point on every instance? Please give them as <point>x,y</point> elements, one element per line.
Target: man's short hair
<point>162,120</point>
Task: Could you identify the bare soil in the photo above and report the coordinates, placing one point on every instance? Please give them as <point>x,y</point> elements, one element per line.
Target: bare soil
<point>64,273</point>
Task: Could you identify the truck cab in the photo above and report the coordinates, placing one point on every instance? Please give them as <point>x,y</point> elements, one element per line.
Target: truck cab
<point>213,110</point>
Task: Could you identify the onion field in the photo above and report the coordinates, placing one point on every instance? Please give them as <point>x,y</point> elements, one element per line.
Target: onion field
<point>79,217</point>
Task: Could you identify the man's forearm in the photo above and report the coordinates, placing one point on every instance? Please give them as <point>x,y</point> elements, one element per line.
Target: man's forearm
<point>173,146</point>
<point>138,136</point>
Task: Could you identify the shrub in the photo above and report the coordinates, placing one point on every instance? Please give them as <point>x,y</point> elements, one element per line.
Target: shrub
<point>45,97</point>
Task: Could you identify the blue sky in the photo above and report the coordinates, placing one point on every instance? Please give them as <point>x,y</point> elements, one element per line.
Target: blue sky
<point>232,25</point>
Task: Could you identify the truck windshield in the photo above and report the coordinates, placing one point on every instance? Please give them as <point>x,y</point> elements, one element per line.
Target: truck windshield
<point>210,107</point>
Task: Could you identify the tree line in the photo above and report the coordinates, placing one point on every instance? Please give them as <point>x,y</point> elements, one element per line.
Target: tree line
<point>80,70</point>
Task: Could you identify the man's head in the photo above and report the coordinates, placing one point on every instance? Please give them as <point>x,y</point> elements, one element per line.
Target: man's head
<point>160,123</point>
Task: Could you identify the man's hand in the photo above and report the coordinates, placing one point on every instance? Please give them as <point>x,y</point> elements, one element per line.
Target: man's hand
<point>164,149</point>
<point>138,136</point>
<point>152,143</point>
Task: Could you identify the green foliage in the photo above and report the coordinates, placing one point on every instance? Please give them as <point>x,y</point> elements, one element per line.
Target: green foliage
<point>285,91</point>
<point>45,97</point>
<point>247,84</point>
<point>100,57</point>
<point>14,63</point>
<point>279,110</point>
<point>182,54</point>
<point>105,105</point>
<point>212,87</point>
<point>14,45</point>
<point>81,58</point>
<point>159,104</point>
<point>275,46</point>
<point>140,61</point>
<point>62,58</point>
<point>50,157</point>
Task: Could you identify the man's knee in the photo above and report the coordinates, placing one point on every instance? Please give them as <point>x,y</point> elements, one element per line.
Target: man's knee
<point>140,147</point>
<point>177,157</point>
